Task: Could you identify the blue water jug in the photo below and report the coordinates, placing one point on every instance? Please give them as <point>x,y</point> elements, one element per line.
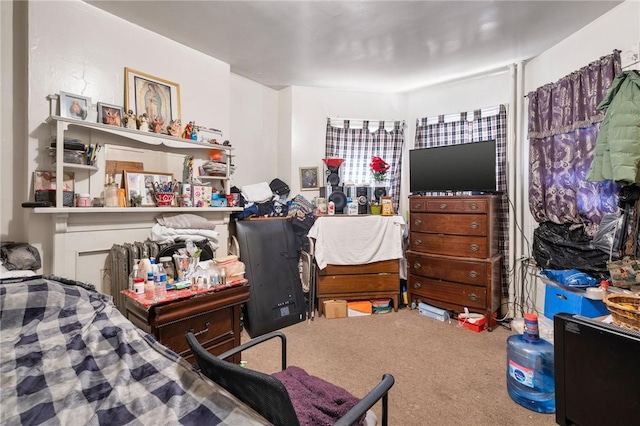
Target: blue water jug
<point>530,368</point>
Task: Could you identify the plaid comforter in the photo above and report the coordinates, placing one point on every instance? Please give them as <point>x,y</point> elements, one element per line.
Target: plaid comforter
<point>69,357</point>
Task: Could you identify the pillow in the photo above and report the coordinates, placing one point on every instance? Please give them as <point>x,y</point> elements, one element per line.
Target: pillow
<point>22,256</point>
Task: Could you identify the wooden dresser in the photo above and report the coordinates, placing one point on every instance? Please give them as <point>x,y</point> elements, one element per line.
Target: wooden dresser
<point>367,281</point>
<point>453,259</point>
<point>214,318</point>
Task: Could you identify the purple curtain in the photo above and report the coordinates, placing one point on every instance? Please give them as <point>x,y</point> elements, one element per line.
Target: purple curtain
<point>562,129</point>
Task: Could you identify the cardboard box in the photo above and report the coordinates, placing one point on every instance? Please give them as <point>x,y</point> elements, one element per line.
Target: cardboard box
<point>476,325</point>
<point>359,308</point>
<point>335,309</point>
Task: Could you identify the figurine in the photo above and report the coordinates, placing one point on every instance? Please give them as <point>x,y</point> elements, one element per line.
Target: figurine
<point>130,120</point>
<point>186,134</point>
<point>175,127</point>
<point>143,122</point>
<point>157,125</point>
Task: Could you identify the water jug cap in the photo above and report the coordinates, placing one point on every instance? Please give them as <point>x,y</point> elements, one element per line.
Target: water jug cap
<point>531,332</point>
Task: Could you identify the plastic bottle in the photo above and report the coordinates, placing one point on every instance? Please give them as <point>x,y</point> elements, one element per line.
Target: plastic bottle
<point>167,263</point>
<point>144,265</point>
<point>530,369</point>
<point>160,282</point>
<point>332,208</point>
<point>223,276</point>
<point>136,280</point>
<point>214,275</point>
<point>149,287</point>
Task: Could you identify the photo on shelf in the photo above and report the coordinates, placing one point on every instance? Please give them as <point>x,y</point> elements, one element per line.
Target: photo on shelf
<point>139,184</point>
<point>158,98</point>
<point>110,114</point>
<point>44,180</point>
<point>74,106</point>
<point>308,178</point>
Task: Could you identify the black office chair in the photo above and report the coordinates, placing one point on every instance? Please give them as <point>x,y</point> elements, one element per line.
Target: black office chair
<point>266,394</point>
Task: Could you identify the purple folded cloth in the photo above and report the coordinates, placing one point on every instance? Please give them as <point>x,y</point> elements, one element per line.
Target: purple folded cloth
<point>316,401</point>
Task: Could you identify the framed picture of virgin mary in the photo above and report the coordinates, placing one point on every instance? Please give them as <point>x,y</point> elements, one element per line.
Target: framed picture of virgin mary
<point>157,98</point>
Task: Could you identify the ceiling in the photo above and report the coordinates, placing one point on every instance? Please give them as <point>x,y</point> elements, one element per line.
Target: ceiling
<point>379,46</point>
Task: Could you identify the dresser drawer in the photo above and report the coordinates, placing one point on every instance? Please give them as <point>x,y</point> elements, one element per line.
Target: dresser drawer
<point>389,266</point>
<point>450,245</point>
<point>215,349</point>
<point>454,224</point>
<point>329,284</point>
<point>208,327</point>
<point>449,269</point>
<point>448,292</point>
<point>452,205</point>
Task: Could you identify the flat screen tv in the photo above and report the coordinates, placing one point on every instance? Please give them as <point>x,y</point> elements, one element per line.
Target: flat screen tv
<point>453,168</point>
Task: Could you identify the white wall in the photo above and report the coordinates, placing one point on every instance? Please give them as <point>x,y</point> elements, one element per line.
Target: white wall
<point>254,137</point>
<point>13,128</point>
<point>309,112</point>
<point>78,48</point>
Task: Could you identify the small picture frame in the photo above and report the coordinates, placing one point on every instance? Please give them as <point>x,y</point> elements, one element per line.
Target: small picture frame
<point>387,206</point>
<point>309,178</point>
<point>137,184</point>
<point>110,115</point>
<point>74,106</point>
<point>154,96</point>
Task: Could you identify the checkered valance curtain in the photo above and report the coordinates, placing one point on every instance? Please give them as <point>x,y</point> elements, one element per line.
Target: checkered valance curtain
<point>357,146</point>
<point>476,126</point>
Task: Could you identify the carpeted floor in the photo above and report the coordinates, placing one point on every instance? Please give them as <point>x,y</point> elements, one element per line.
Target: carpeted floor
<point>444,374</point>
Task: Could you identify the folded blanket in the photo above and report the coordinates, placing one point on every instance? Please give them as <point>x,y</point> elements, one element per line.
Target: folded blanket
<point>184,221</point>
<point>163,234</point>
<point>257,192</point>
<point>316,401</point>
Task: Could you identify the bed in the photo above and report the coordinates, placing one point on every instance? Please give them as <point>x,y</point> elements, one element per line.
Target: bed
<point>68,356</point>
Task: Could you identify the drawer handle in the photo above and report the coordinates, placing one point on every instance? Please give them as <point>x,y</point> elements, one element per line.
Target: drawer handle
<point>417,206</point>
<point>474,247</point>
<point>418,242</point>
<point>473,274</point>
<point>417,285</point>
<point>474,206</point>
<point>417,265</point>
<point>443,206</point>
<point>201,332</point>
<point>474,297</point>
<point>418,222</point>
<point>474,225</point>
<point>561,296</point>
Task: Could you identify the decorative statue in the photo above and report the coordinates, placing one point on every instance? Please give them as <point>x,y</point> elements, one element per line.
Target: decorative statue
<point>143,122</point>
<point>156,126</point>
<point>130,120</point>
<point>186,134</point>
<point>175,128</point>
<point>194,133</point>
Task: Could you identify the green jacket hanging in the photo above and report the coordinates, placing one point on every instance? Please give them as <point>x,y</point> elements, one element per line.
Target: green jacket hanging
<point>617,152</point>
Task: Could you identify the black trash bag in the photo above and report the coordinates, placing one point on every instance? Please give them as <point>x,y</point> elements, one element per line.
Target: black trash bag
<point>610,235</point>
<point>558,246</point>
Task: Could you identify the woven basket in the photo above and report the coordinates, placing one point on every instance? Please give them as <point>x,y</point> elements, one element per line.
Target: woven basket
<point>623,315</point>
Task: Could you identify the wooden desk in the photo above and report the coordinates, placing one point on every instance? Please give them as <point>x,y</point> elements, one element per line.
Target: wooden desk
<point>358,257</point>
<point>213,317</point>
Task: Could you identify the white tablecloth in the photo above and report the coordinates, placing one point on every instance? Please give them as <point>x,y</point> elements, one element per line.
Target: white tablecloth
<point>356,240</point>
